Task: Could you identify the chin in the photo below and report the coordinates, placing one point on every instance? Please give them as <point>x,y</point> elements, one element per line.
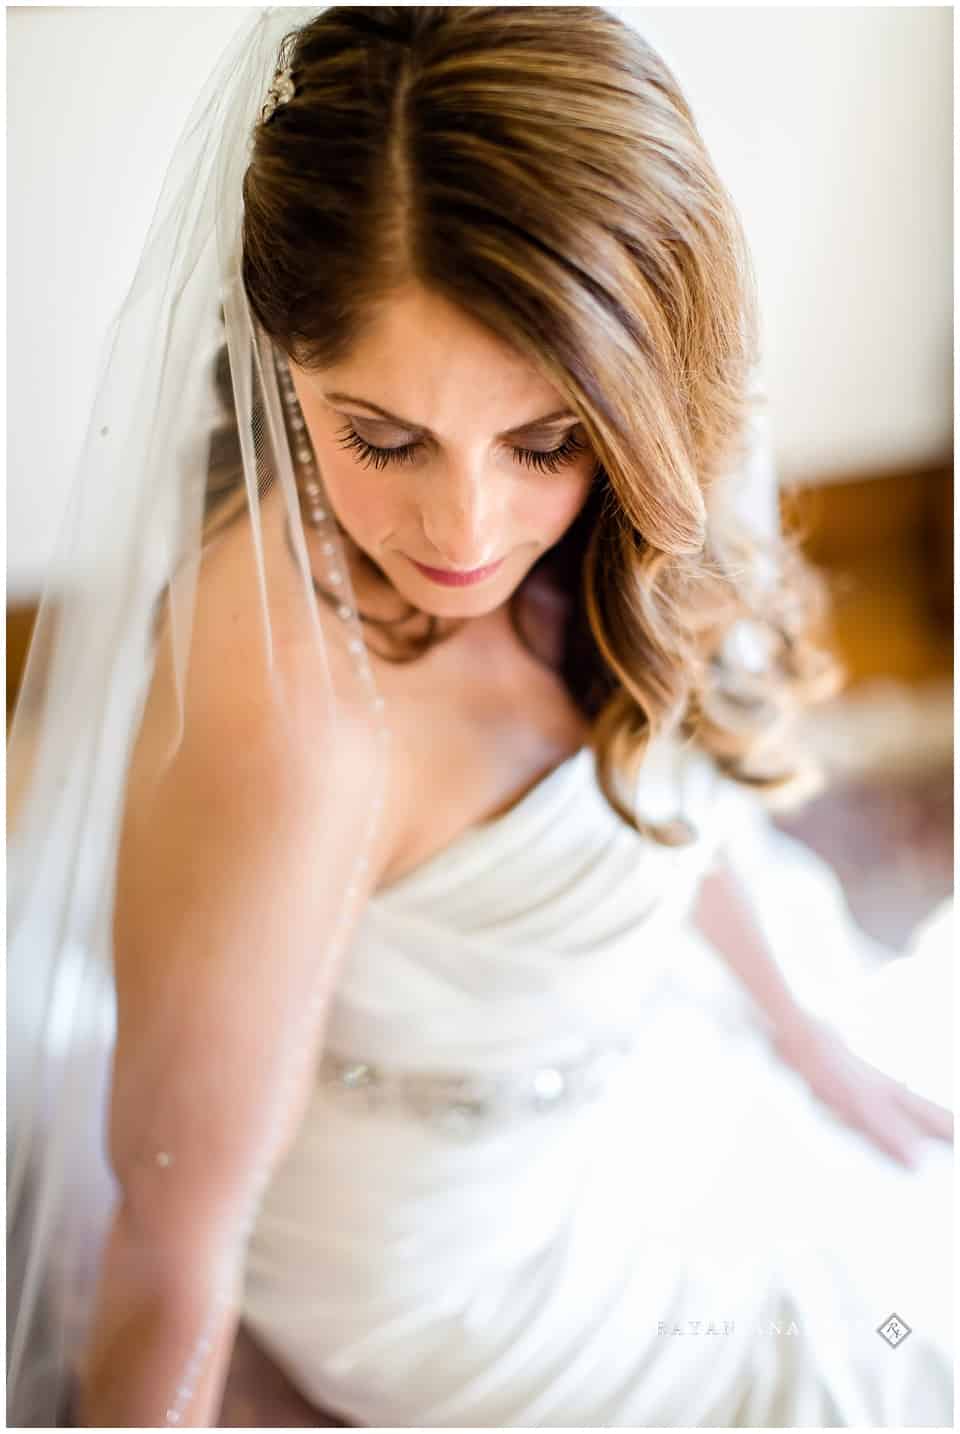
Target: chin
<point>459,608</point>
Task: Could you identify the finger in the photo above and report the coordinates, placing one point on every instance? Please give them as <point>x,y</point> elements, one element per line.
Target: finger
<point>936,1119</point>
<point>890,1129</point>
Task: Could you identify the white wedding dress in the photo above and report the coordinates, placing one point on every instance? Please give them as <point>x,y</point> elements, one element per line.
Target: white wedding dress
<point>629,1213</point>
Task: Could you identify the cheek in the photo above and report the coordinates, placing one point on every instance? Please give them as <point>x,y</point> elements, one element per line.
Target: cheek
<point>364,500</point>
<point>552,509</point>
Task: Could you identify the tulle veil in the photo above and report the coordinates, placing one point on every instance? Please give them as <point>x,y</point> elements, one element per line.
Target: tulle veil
<point>128,554</point>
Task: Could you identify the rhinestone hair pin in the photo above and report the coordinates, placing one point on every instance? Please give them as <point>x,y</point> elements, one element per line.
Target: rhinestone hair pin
<point>281,92</point>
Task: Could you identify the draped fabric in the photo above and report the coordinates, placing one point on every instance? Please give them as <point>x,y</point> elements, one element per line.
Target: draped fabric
<point>702,1243</point>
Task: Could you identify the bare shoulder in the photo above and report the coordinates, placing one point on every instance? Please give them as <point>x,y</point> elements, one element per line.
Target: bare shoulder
<point>273,721</point>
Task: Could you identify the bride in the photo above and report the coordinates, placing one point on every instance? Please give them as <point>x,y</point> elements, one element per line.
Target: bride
<point>407,981</point>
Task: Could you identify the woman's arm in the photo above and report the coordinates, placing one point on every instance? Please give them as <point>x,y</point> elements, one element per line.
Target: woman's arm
<point>723,915</point>
<point>892,1116</point>
<point>147,1318</point>
<point>230,881</point>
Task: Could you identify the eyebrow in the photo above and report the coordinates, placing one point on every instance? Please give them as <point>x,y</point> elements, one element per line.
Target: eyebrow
<point>533,423</point>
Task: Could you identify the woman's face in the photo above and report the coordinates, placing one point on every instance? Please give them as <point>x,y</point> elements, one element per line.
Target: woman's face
<point>438,445</point>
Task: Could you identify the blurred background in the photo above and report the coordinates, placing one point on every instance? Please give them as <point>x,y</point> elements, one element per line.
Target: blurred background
<point>832,128</point>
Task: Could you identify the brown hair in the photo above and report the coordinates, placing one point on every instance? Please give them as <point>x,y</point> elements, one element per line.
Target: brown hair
<point>540,168</point>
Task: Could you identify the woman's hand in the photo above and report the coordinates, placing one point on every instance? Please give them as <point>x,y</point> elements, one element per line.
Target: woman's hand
<point>894,1117</point>
<point>258,1395</point>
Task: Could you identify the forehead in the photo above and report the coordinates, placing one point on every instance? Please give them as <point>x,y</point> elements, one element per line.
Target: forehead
<point>427,359</point>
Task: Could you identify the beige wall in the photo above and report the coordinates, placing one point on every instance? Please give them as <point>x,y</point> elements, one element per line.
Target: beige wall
<point>832,128</point>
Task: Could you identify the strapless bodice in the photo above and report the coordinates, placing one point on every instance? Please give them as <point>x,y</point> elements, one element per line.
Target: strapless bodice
<point>536,930</point>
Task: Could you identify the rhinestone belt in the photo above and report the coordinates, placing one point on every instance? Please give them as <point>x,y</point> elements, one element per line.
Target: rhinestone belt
<point>467,1103</point>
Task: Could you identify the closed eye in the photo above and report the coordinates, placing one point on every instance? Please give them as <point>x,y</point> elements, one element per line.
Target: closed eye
<point>371,456</point>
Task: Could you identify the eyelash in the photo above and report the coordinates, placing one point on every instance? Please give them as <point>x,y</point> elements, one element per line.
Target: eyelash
<point>371,456</point>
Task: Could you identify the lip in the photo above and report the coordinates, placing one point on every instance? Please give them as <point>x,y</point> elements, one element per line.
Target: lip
<point>451,579</point>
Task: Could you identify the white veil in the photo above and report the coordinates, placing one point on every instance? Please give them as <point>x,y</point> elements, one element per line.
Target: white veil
<point>131,543</point>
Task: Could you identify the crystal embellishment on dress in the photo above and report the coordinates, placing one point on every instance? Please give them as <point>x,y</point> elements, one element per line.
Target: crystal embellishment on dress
<point>548,1084</point>
<point>467,1103</point>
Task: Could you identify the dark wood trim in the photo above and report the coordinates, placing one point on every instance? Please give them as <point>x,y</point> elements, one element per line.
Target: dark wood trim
<point>20,622</point>
<point>843,520</point>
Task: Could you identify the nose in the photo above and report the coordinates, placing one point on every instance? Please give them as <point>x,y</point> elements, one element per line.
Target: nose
<point>460,523</point>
